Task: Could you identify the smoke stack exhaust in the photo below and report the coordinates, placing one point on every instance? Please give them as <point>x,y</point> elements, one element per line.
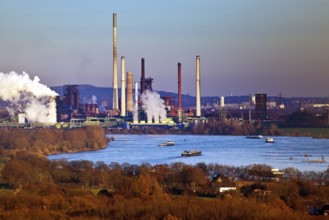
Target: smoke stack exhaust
<point>143,76</point>
<point>180,111</point>
<point>115,101</point>
<point>123,88</point>
<point>130,105</point>
<point>198,92</point>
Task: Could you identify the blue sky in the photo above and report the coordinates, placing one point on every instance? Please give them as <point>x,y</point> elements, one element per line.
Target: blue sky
<point>246,46</point>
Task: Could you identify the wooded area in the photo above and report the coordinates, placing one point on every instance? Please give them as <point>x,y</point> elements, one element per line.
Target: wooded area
<point>45,141</point>
<point>33,187</point>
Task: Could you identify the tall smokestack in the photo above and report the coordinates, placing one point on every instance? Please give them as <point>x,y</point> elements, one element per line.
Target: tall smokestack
<point>198,92</point>
<point>115,101</point>
<point>135,115</point>
<point>180,111</point>
<point>143,76</point>
<point>123,88</point>
<point>222,101</point>
<point>130,105</point>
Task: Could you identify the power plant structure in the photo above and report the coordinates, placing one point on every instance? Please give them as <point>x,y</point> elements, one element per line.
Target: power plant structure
<point>130,103</point>
<point>115,100</point>
<point>198,89</point>
<point>127,104</point>
<point>180,109</point>
<point>135,113</point>
<point>261,106</point>
<point>142,75</point>
<point>131,111</point>
<point>123,88</point>
<point>71,96</point>
<point>146,83</point>
<point>70,109</point>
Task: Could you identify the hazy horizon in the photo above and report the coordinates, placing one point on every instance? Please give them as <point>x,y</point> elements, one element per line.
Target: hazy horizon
<point>246,47</point>
<point>193,95</point>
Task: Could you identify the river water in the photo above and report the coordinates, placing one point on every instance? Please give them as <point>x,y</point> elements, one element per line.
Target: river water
<point>286,152</point>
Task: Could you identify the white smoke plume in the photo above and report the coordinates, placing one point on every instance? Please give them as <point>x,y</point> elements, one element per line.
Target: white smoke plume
<point>93,99</point>
<point>154,106</point>
<point>135,113</point>
<point>28,96</point>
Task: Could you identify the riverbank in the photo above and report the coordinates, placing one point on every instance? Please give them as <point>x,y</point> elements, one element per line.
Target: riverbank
<point>289,132</point>
<point>48,141</point>
<point>306,132</point>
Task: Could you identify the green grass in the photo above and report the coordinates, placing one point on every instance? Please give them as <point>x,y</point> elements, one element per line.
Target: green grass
<point>318,132</point>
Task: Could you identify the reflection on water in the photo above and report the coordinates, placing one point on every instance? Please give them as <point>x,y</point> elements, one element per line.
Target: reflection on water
<point>226,150</point>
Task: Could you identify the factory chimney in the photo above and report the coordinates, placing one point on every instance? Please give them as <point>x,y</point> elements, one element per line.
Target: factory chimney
<point>198,92</point>
<point>135,113</point>
<point>180,111</point>
<point>130,106</point>
<point>115,100</point>
<point>123,88</point>
<point>143,76</point>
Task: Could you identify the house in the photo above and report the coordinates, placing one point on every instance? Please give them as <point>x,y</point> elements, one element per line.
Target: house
<point>226,186</point>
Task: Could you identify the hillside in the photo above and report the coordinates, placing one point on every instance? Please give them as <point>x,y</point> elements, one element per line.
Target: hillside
<point>105,94</point>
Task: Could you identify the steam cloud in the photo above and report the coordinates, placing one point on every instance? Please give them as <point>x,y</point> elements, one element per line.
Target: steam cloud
<point>93,99</point>
<point>28,96</point>
<point>135,113</point>
<point>154,106</point>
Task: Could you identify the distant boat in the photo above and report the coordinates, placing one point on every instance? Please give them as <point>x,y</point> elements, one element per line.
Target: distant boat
<point>320,160</point>
<point>189,153</point>
<point>269,140</point>
<point>255,136</point>
<point>168,143</point>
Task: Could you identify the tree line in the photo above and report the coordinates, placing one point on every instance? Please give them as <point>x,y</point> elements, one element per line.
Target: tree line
<point>45,141</point>
<point>34,185</point>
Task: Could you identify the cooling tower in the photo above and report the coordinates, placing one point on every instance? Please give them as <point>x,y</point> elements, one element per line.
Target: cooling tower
<point>123,88</point>
<point>179,111</point>
<point>115,101</point>
<point>130,105</point>
<point>198,92</point>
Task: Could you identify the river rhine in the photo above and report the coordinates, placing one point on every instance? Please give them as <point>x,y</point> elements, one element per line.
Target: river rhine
<point>286,152</point>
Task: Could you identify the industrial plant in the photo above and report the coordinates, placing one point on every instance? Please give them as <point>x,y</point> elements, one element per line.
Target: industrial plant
<point>138,105</point>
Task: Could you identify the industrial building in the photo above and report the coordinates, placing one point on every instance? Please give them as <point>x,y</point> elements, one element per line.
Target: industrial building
<point>261,106</point>
<point>71,96</point>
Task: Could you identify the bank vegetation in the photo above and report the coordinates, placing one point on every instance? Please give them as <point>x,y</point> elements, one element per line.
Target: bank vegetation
<point>33,187</point>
